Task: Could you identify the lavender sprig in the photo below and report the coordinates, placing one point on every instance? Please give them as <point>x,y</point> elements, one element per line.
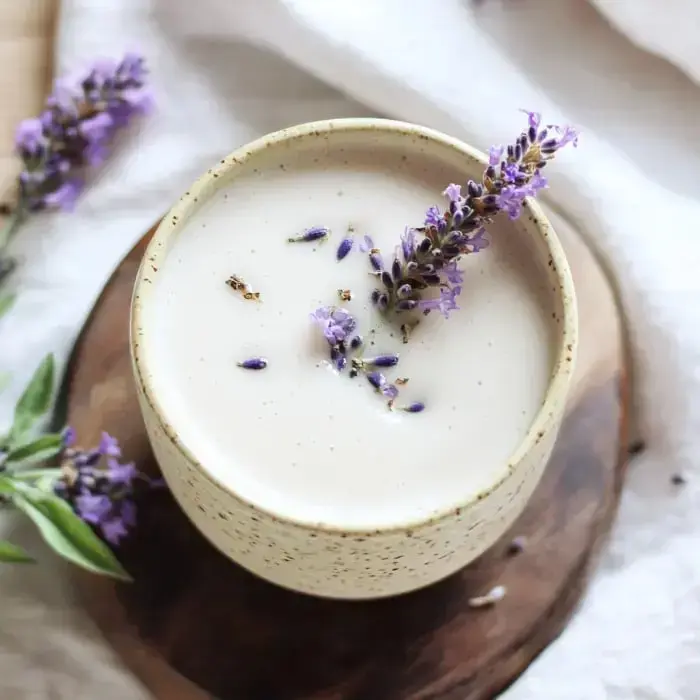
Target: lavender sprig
<point>99,487</point>
<point>423,275</point>
<point>75,130</point>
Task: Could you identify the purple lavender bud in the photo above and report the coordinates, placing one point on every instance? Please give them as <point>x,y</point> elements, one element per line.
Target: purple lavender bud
<point>344,248</point>
<point>457,218</point>
<point>411,266</point>
<point>490,172</point>
<point>408,243</point>
<point>356,342</point>
<point>315,233</point>
<point>375,296</point>
<point>523,142</point>
<point>415,407</point>
<point>490,203</point>
<point>366,244</point>
<point>341,363</point>
<point>334,353</point>
<point>375,260</point>
<point>396,269</point>
<point>383,302</point>
<point>532,134</point>
<point>474,189</point>
<point>406,305</point>
<point>387,279</point>
<point>382,361</point>
<point>511,151</point>
<point>517,152</point>
<point>253,363</point>
<point>390,391</point>
<point>68,436</point>
<point>404,291</point>
<point>424,246</point>
<point>376,379</point>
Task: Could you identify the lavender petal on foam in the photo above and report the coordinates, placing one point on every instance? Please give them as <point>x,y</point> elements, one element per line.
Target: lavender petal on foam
<point>75,130</point>
<point>316,233</point>
<point>254,363</point>
<point>338,326</point>
<point>100,487</point>
<point>344,248</point>
<point>415,407</point>
<point>427,279</point>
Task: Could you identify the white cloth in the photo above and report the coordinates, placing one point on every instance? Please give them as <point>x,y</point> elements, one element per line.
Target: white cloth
<point>228,70</point>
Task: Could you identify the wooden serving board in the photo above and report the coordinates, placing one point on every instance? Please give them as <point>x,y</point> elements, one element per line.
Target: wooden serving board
<point>193,625</point>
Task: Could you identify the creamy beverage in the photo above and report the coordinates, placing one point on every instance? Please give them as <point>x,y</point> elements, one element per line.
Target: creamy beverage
<point>299,438</point>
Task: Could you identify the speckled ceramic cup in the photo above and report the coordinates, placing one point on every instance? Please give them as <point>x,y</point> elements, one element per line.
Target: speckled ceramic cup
<point>315,552</point>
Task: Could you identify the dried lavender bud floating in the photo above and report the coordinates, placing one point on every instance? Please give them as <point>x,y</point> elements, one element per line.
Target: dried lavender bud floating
<point>356,342</point>
<point>382,361</point>
<point>415,407</point>
<point>344,248</point>
<point>317,233</point>
<point>253,363</point>
<point>376,379</point>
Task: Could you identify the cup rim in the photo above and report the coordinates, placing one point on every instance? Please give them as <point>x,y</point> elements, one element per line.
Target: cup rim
<point>546,417</point>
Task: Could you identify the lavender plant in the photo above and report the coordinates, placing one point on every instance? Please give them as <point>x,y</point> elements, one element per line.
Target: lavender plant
<point>88,495</point>
<point>73,134</point>
<point>424,274</point>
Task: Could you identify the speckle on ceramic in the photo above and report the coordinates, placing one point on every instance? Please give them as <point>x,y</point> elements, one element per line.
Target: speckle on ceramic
<point>325,558</point>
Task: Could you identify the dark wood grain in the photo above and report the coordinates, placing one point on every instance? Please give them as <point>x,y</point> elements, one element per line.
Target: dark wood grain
<point>192,614</point>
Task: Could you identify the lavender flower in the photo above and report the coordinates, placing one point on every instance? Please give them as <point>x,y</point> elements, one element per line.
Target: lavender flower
<point>381,385</point>
<point>424,275</point>
<point>381,361</point>
<point>317,233</point>
<point>415,407</point>
<point>344,248</point>
<point>254,363</point>
<point>75,130</point>
<point>337,326</point>
<point>99,487</point>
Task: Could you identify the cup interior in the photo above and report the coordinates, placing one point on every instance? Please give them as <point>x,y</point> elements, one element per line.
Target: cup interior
<point>422,155</point>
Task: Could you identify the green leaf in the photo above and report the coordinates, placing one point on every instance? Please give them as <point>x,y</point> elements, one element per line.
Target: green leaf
<point>35,452</point>
<point>13,554</point>
<point>43,479</point>
<point>66,533</point>
<point>34,402</point>
<point>7,485</point>
<point>6,302</point>
<point>4,380</point>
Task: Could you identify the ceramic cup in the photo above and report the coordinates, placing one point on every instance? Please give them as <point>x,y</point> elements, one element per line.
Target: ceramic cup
<point>332,561</point>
